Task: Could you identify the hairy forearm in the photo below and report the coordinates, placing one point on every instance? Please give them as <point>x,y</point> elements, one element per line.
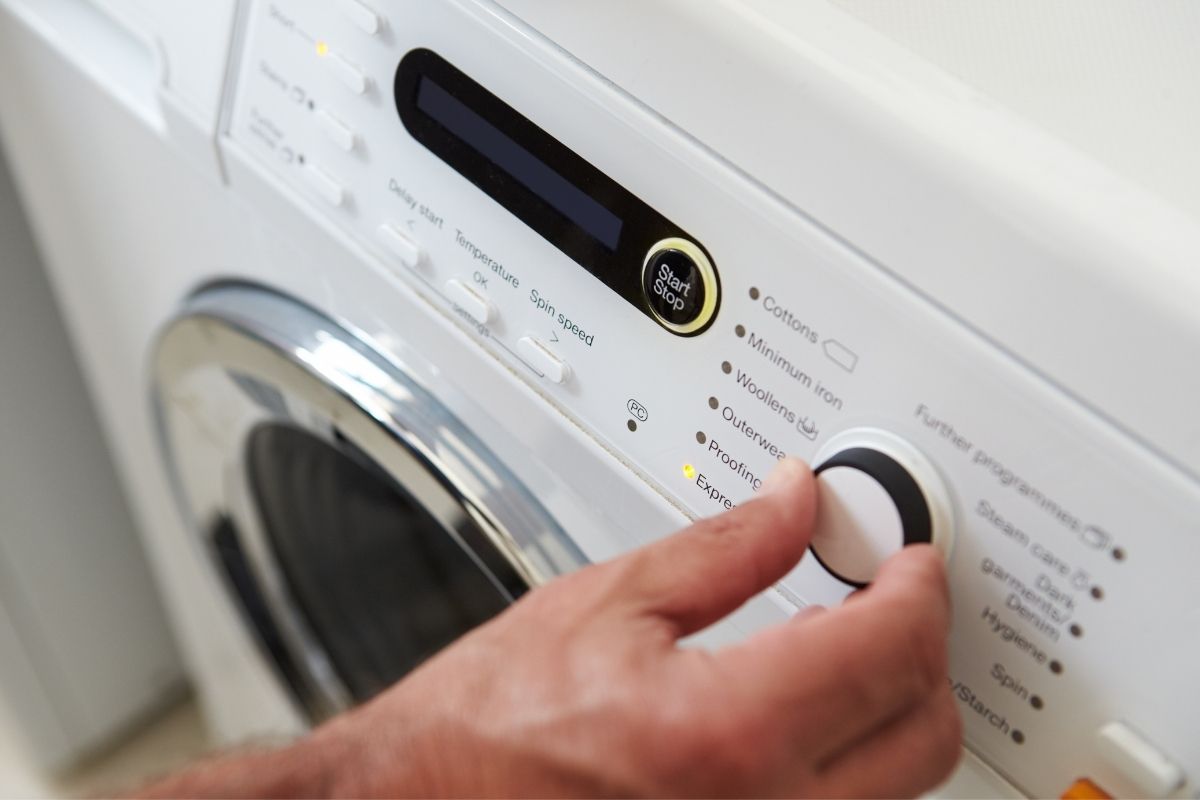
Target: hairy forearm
<point>581,689</point>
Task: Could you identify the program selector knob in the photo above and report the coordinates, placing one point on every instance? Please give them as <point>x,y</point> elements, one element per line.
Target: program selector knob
<point>876,495</point>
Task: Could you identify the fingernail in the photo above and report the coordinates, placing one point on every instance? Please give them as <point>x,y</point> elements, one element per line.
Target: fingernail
<point>786,473</point>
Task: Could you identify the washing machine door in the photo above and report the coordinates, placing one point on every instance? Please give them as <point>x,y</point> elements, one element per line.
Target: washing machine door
<point>357,524</point>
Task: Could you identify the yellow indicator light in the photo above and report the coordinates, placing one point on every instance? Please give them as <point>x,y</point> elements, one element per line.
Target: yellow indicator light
<point>322,48</point>
<point>689,471</point>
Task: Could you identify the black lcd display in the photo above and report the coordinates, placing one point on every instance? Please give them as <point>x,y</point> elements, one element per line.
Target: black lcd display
<point>575,206</point>
<point>529,170</point>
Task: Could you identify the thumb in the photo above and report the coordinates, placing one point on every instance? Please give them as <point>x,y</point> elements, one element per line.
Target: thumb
<point>706,571</point>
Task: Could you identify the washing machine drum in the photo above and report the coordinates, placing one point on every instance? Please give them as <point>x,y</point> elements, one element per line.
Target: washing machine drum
<point>356,524</point>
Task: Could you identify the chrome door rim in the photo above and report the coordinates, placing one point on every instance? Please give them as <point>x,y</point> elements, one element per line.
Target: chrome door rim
<point>240,355</point>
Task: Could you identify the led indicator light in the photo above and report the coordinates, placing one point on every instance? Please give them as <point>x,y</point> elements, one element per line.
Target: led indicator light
<point>689,471</point>
<point>322,48</point>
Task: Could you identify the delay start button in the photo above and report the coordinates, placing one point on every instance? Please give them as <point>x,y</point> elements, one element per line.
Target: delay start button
<point>680,286</point>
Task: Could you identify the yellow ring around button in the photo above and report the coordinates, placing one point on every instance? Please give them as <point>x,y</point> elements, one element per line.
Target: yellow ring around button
<point>708,275</point>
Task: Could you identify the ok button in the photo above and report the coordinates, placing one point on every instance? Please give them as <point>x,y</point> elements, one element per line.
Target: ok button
<point>680,286</point>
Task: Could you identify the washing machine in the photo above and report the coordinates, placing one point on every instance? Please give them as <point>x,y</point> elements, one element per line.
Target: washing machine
<point>395,309</point>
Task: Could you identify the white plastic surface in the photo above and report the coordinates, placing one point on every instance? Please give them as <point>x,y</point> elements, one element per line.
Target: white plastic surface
<point>858,526</point>
<point>1113,79</point>
<point>1151,772</point>
<point>874,142</point>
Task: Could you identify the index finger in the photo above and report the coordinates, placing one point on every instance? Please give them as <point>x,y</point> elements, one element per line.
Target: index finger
<point>702,573</point>
<point>841,674</point>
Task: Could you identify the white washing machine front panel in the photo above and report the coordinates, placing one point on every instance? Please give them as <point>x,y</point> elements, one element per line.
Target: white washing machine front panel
<point>811,338</point>
<point>621,428</point>
<point>123,271</point>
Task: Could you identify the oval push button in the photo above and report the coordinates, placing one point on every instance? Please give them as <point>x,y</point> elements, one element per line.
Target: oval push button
<point>680,286</point>
<point>535,351</point>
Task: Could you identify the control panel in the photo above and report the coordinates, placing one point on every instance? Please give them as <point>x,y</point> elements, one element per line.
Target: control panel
<point>702,329</point>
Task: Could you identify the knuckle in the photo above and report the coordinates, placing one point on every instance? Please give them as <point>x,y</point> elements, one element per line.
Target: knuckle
<point>562,603</point>
<point>946,734</point>
<point>926,643</point>
<point>939,747</point>
<point>548,596</point>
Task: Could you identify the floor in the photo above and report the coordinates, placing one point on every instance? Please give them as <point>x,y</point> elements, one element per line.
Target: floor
<point>172,739</point>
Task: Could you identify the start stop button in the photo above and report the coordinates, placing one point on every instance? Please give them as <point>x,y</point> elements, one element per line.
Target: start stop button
<point>680,286</point>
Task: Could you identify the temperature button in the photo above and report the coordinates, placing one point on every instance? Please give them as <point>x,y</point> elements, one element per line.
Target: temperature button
<point>469,300</point>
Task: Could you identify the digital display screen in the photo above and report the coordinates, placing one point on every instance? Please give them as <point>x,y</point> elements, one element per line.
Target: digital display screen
<point>523,166</point>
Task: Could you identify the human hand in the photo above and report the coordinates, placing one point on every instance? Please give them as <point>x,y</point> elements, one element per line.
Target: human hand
<point>581,688</point>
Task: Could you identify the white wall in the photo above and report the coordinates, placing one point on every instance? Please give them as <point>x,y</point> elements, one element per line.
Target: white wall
<point>84,645</point>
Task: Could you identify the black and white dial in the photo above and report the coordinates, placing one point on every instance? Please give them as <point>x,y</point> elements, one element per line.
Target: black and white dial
<point>876,495</point>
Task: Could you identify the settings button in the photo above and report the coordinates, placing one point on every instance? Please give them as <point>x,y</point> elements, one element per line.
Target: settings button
<point>680,286</point>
